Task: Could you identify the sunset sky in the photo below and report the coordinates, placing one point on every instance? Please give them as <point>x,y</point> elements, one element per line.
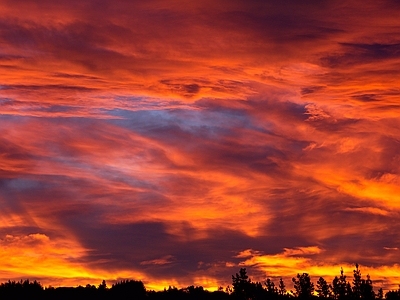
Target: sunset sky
<point>176,142</point>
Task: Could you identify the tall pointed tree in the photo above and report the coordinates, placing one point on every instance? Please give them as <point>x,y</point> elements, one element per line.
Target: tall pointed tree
<point>282,288</point>
<point>340,286</point>
<point>270,286</point>
<point>357,282</point>
<point>367,290</point>
<point>303,286</point>
<point>241,285</point>
<point>323,288</point>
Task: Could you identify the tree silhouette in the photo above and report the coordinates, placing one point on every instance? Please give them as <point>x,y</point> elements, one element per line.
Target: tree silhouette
<point>21,290</point>
<point>128,289</point>
<point>393,295</point>
<point>257,291</point>
<point>281,288</point>
<point>242,289</point>
<point>323,288</point>
<point>379,295</point>
<point>270,287</point>
<point>340,287</point>
<point>195,292</point>
<point>357,282</point>
<point>102,285</point>
<point>303,286</point>
<point>241,285</point>
<point>367,290</point>
<point>362,288</point>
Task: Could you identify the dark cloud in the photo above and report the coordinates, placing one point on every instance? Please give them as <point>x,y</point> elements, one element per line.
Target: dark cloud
<point>356,54</point>
<point>186,90</point>
<point>366,97</point>
<point>311,89</point>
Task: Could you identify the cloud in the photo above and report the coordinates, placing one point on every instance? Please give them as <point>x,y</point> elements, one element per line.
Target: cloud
<point>177,142</point>
<point>41,257</point>
<point>368,210</point>
<point>275,266</point>
<point>159,261</point>
<point>364,54</point>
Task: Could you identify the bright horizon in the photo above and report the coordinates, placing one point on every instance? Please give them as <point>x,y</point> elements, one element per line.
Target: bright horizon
<point>176,142</point>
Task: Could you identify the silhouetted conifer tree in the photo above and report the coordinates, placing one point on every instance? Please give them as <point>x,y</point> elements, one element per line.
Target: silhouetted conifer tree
<point>303,286</point>
<point>257,291</point>
<point>357,282</point>
<point>323,288</point>
<point>282,288</point>
<point>340,287</point>
<point>241,285</point>
<point>270,287</point>
<point>367,290</point>
<point>102,285</point>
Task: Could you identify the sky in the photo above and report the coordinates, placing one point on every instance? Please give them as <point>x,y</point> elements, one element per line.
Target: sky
<point>175,142</point>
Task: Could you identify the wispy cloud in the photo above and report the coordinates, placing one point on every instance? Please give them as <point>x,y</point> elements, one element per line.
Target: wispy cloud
<point>161,140</point>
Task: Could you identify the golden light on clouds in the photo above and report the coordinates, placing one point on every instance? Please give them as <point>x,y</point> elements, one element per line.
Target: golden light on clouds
<point>299,260</point>
<point>36,255</point>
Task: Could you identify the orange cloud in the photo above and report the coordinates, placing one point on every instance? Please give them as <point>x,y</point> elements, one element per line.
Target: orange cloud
<point>36,255</point>
<point>292,261</point>
<point>131,128</point>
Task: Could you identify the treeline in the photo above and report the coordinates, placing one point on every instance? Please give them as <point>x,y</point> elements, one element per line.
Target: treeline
<point>122,290</point>
<point>303,288</point>
<point>242,288</point>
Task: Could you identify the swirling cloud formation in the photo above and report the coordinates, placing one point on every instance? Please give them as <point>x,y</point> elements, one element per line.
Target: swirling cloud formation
<point>175,142</point>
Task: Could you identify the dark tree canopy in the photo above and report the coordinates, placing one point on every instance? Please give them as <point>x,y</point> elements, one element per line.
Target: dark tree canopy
<point>324,290</point>
<point>243,288</point>
<point>303,287</point>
